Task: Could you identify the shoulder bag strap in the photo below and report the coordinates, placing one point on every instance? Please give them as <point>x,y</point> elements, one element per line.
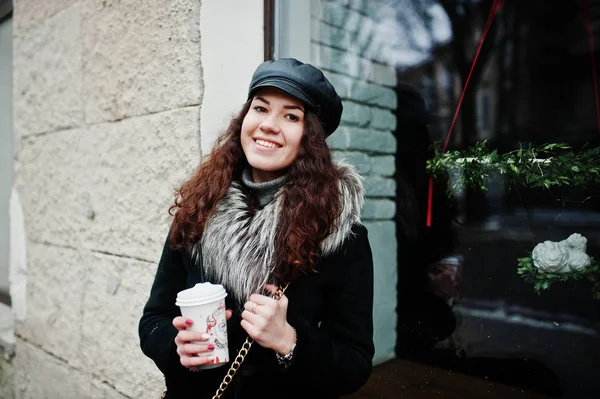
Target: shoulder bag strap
<point>239,359</point>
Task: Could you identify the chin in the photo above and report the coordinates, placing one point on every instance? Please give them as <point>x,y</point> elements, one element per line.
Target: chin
<point>263,166</point>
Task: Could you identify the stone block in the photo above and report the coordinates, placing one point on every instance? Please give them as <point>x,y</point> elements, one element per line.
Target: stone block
<point>343,84</point>
<point>377,11</point>
<point>339,16</point>
<point>377,186</point>
<point>356,4</point>
<point>361,115</point>
<point>368,164</point>
<point>355,114</point>
<point>101,390</point>
<point>31,13</point>
<point>353,138</point>
<point>340,2</point>
<point>316,9</point>
<point>332,36</point>
<point>48,73</point>
<point>384,165</point>
<point>114,293</point>
<point>353,4</point>
<point>78,297</point>
<point>139,59</point>
<point>374,94</point>
<point>108,187</point>
<point>359,160</point>
<point>362,92</point>
<point>39,375</point>
<point>340,61</point>
<point>353,65</point>
<point>384,44</point>
<point>383,74</point>
<point>379,209</point>
<point>382,237</point>
<point>382,119</point>
<point>54,305</point>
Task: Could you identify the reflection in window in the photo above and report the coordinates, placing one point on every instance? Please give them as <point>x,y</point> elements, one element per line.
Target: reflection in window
<point>483,113</point>
<point>400,66</point>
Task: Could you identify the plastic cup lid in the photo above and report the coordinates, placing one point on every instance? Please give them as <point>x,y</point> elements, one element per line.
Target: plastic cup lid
<point>200,294</point>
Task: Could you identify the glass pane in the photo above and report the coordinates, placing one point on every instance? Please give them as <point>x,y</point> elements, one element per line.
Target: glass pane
<point>452,316</point>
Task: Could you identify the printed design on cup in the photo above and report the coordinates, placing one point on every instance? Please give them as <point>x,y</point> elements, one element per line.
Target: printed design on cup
<point>204,304</point>
<point>218,332</point>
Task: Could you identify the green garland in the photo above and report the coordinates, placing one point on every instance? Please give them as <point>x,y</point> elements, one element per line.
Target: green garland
<point>542,281</point>
<point>546,166</point>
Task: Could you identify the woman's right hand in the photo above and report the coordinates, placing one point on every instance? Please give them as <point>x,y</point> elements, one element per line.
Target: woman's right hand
<point>193,347</point>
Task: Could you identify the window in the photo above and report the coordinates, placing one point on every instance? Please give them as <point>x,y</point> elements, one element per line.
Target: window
<point>450,307</point>
<point>483,113</point>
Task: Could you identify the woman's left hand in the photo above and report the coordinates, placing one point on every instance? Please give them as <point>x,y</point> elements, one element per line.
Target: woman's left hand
<point>265,321</point>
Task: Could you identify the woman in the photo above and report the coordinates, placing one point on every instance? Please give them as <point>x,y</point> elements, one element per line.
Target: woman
<point>268,206</point>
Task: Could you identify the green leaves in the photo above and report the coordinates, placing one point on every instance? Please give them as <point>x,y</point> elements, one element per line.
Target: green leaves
<point>543,281</point>
<point>549,165</point>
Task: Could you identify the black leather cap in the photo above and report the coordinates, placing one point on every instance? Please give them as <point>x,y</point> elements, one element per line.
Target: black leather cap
<point>304,82</point>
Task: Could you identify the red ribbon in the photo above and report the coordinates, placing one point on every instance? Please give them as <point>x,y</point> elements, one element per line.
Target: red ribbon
<point>496,6</point>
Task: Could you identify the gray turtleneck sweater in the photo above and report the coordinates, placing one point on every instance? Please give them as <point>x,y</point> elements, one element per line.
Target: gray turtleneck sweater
<point>265,192</point>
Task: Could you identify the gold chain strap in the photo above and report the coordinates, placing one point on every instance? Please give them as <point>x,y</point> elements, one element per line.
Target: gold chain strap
<point>239,359</point>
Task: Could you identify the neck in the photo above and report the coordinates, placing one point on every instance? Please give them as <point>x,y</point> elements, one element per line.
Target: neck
<point>261,176</point>
<point>264,190</point>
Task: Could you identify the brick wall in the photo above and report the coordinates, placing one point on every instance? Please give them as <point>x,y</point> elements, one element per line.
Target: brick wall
<point>345,44</point>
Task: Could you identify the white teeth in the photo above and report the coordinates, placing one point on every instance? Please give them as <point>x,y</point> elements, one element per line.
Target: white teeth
<point>266,144</point>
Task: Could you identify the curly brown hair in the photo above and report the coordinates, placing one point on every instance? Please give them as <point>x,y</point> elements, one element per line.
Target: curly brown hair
<point>311,200</point>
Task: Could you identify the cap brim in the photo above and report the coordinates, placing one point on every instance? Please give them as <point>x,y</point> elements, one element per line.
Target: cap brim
<point>284,86</point>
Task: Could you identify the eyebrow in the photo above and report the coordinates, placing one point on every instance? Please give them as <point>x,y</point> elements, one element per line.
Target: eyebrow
<point>285,106</point>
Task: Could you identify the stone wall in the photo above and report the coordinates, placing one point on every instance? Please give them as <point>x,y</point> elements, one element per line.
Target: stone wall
<point>345,45</point>
<point>107,107</point>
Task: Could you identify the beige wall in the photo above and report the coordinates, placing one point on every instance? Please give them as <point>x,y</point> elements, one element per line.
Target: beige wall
<point>109,114</point>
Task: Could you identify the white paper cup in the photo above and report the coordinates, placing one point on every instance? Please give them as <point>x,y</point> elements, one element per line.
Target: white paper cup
<point>204,304</point>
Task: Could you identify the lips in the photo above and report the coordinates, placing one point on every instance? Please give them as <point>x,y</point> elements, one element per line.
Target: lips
<point>267,143</point>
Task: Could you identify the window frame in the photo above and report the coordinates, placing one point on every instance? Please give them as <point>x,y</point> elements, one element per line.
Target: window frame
<point>6,9</point>
<point>269,21</point>
<point>288,33</point>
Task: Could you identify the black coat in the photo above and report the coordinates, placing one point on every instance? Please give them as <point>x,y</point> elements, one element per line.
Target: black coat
<point>331,311</point>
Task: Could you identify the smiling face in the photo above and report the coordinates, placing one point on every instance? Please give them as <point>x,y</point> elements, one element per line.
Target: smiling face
<point>271,133</point>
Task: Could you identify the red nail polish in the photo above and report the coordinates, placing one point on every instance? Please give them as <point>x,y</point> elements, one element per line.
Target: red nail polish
<point>211,347</point>
<point>188,322</point>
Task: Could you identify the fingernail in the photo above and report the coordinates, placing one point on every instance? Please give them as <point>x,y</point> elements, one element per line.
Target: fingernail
<point>188,322</point>
<point>211,347</point>
<point>205,336</point>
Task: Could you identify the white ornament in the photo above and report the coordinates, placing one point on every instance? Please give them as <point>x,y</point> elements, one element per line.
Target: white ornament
<point>575,241</point>
<point>578,260</point>
<point>550,257</point>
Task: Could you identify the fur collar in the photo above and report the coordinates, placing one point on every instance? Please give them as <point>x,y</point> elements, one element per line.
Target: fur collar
<point>237,246</point>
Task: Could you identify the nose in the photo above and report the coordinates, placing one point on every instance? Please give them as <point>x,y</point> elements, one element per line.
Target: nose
<point>270,125</point>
